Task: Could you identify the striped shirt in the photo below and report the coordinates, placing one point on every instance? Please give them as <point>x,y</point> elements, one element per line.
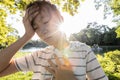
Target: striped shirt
<point>81,57</point>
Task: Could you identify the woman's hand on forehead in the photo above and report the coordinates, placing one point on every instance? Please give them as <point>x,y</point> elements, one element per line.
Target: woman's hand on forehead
<point>32,13</point>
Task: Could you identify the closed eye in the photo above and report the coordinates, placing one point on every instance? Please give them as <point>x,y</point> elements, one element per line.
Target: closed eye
<point>45,22</point>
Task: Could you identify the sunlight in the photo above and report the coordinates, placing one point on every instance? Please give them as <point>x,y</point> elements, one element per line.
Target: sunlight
<point>63,27</point>
<point>68,26</point>
<point>71,24</point>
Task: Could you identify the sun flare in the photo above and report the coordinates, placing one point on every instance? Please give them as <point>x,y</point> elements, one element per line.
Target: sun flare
<point>70,25</point>
<point>64,28</point>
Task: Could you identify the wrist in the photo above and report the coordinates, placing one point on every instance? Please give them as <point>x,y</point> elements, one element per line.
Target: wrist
<point>28,35</point>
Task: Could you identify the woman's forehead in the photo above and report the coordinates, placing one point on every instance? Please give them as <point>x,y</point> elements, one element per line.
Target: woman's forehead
<point>48,14</point>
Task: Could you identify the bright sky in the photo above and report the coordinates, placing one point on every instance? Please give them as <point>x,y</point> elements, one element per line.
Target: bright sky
<point>87,14</point>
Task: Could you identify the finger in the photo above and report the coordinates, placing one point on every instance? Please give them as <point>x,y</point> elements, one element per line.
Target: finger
<point>50,70</point>
<point>30,19</point>
<point>52,64</point>
<point>33,16</point>
<point>26,14</point>
<point>57,60</point>
<point>33,9</point>
<point>30,12</point>
<point>25,18</point>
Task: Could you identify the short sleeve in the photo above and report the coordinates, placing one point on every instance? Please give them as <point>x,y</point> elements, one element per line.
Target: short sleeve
<point>24,63</point>
<point>94,70</point>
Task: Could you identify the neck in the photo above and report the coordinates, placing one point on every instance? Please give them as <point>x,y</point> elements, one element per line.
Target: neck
<point>63,45</point>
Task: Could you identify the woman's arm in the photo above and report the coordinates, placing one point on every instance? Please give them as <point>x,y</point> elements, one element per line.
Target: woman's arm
<point>7,53</point>
<point>11,68</point>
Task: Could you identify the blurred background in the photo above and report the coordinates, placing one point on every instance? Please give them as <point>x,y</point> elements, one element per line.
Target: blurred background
<point>94,22</point>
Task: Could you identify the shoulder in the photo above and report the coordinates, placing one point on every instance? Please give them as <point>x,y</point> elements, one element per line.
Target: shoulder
<point>79,46</point>
<point>44,51</point>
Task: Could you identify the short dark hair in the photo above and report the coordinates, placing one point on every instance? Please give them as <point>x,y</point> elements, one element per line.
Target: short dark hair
<point>41,4</point>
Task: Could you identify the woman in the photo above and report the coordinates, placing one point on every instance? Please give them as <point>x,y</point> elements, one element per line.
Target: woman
<point>74,57</point>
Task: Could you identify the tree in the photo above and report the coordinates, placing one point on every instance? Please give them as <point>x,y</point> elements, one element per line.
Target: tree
<point>69,6</point>
<point>111,6</point>
<point>95,33</point>
<point>118,32</point>
<point>115,6</point>
<point>6,31</point>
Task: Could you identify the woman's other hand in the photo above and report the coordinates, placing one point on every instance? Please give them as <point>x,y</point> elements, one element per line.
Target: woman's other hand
<point>61,71</point>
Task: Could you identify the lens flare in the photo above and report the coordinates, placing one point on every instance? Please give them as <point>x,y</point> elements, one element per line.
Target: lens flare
<point>66,61</point>
<point>63,27</point>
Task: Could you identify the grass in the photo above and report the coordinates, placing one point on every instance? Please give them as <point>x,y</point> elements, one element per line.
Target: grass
<point>18,76</point>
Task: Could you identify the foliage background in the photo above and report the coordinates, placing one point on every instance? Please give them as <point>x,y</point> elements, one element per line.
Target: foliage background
<point>110,61</point>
